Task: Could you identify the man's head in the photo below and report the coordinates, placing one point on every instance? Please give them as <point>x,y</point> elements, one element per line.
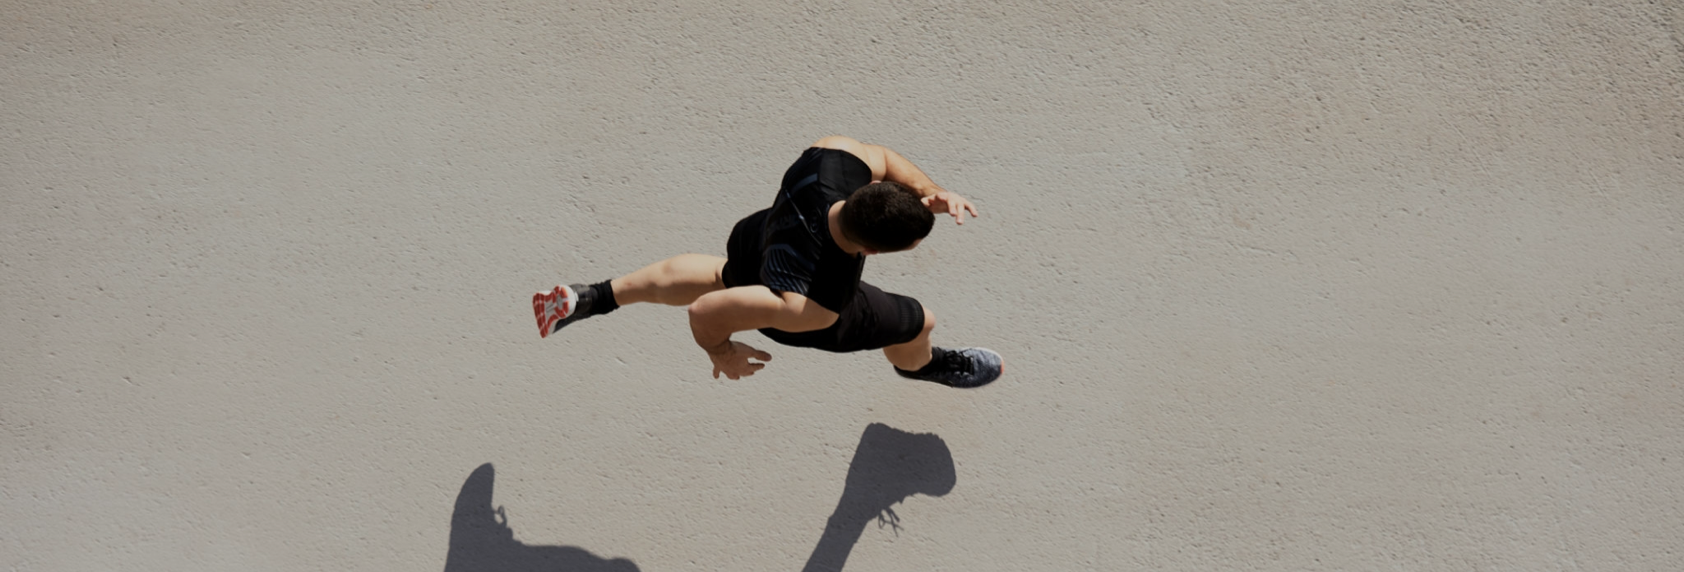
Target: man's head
<point>885,217</point>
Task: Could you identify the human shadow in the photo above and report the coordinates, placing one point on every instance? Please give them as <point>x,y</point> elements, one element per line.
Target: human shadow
<point>889,465</point>
<point>481,540</point>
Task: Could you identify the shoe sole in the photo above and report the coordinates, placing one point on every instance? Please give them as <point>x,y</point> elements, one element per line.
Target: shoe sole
<point>553,306</point>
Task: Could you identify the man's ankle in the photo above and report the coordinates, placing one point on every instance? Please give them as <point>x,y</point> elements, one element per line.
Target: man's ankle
<point>594,299</point>
<point>929,366</point>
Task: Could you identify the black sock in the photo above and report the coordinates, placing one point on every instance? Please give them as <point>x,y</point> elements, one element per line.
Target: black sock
<point>935,363</point>
<point>604,302</point>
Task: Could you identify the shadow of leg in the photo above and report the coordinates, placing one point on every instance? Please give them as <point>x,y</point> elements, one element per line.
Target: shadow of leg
<point>889,465</point>
<point>481,540</point>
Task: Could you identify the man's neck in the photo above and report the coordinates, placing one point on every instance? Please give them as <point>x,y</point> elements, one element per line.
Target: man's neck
<point>842,242</point>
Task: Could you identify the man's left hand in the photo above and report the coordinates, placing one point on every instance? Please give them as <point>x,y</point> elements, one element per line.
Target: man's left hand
<point>733,360</point>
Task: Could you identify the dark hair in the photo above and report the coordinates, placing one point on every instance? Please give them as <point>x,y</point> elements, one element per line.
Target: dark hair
<point>885,217</point>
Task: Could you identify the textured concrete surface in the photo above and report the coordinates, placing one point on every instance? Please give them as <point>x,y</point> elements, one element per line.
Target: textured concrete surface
<point>1282,286</point>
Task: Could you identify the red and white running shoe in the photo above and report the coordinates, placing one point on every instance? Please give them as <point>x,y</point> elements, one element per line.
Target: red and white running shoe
<point>552,307</point>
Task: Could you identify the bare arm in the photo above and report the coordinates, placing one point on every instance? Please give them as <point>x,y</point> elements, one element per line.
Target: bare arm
<point>887,165</point>
<point>897,169</point>
<point>716,315</point>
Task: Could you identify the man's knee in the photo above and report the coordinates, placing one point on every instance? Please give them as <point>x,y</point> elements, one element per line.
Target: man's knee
<point>929,323</point>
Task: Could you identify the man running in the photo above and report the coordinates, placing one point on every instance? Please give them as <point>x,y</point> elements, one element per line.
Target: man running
<point>793,271</point>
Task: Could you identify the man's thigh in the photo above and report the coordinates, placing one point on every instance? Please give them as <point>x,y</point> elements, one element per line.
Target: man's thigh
<point>875,320</point>
<point>884,319</point>
<point>742,251</point>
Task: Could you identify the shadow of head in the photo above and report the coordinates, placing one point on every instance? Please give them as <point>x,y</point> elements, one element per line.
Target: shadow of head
<point>481,540</point>
<point>890,465</point>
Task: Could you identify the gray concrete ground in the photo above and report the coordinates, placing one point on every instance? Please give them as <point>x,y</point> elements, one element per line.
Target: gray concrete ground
<point>1281,286</point>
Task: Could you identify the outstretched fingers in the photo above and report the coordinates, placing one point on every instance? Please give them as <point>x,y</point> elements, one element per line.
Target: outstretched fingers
<point>746,370</point>
<point>735,364</point>
<point>958,206</point>
<point>953,204</point>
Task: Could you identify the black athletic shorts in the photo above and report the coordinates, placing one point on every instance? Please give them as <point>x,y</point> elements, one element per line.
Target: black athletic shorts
<point>875,319</point>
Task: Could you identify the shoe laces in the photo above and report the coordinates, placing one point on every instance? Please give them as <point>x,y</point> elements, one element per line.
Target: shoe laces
<point>956,361</point>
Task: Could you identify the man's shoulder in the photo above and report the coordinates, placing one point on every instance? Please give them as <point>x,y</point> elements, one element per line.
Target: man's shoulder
<point>871,156</point>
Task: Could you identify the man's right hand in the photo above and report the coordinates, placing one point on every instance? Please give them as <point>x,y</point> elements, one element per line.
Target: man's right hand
<point>942,201</point>
<point>733,361</point>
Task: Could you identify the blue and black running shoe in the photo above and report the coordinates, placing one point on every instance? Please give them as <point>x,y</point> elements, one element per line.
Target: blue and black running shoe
<point>962,368</point>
